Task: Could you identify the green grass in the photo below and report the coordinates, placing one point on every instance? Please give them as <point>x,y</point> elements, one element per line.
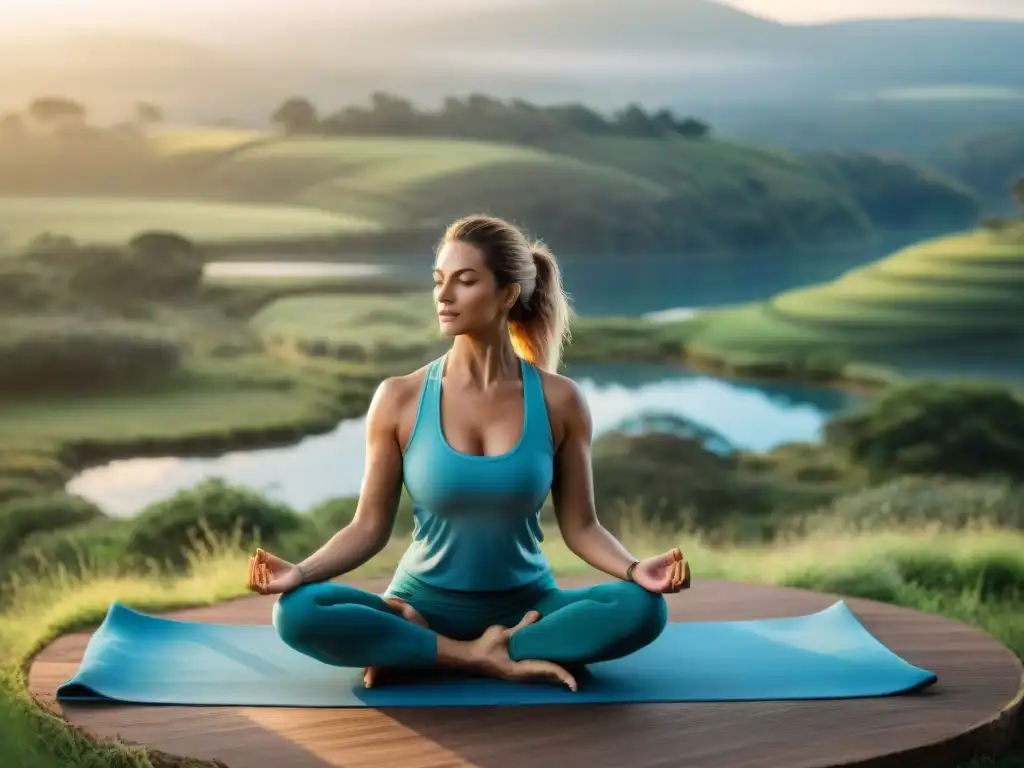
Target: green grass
<point>213,399</point>
<point>199,142</point>
<point>941,572</point>
<point>398,182</point>
<point>350,320</point>
<point>385,326</point>
<point>943,294</point>
<point>113,221</point>
<point>398,193</point>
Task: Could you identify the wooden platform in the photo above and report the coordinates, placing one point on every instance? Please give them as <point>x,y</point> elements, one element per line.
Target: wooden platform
<point>975,705</point>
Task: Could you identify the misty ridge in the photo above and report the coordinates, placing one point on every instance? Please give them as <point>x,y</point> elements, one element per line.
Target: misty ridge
<point>603,52</point>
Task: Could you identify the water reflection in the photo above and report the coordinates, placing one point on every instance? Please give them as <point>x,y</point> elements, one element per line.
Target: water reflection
<point>265,270</point>
<point>749,416</point>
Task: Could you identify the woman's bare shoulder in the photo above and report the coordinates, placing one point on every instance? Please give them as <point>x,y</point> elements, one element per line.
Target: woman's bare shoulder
<point>567,407</point>
<point>396,394</point>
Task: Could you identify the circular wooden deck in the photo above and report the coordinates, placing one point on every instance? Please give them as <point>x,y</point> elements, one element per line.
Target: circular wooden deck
<point>974,706</point>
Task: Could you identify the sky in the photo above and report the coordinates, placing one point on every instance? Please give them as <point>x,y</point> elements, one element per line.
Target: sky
<point>804,11</point>
<point>183,14</point>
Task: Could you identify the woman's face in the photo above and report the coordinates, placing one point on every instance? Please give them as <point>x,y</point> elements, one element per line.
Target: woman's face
<point>466,294</point>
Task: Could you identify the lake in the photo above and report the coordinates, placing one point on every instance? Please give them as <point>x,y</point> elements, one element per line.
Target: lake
<point>749,416</point>
<point>635,285</point>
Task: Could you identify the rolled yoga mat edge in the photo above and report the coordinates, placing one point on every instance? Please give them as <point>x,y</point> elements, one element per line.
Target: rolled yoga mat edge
<point>137,658</point>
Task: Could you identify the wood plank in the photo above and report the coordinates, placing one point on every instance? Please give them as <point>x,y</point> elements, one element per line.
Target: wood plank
<point>972,706</point>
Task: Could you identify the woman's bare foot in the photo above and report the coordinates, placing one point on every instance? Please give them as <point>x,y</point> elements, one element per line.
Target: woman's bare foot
<point>488,655</point>
<point>373,675</point>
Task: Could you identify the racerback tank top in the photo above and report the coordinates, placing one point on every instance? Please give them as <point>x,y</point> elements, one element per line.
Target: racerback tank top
<point>477,518</point>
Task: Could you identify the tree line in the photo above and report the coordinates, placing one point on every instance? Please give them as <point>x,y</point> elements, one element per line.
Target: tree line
<point>61,112</point>
<point>476,116</point>
<point>479,116</point>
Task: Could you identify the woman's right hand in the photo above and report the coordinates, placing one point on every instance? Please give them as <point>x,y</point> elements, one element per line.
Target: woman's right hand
<point>270,575</point>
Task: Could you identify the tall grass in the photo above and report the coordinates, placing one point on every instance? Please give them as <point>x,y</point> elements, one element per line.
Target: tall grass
<point>975,575</point>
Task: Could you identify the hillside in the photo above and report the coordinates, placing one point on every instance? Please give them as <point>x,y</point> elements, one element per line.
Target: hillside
<point>585,194</point>
<point>989,162</point>
<point>699,51</point>
<point>927,306</point>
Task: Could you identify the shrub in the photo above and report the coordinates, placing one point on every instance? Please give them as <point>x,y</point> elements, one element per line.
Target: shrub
<point>935,428</point>
<point>22,517</point>
<point>97,545</point>
<point>332,515</point>
<point>914,502</point>
<point>28,287</point>
<point>40,466</point>
<point>166,530</point>
<point>153,265</point>
<point>17,488</point>
<point>664,477</point>
<point>72,354</point>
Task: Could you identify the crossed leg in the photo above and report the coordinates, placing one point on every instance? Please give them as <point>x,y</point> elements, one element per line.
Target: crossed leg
<point>596,623</point>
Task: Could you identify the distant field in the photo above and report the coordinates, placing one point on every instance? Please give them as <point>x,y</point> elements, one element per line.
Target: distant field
<point>943,294</point>
<point>594,193</point>
<point>216,398</point>
<point>410,181</point>
<point>200,142</point>
<point>350,326</point>
<point>116,220</point>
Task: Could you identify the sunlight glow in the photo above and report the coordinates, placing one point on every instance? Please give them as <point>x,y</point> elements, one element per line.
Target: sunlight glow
<point>193,15</point>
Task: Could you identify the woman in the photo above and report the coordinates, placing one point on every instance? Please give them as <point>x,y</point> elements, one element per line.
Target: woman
<point>479,437</point>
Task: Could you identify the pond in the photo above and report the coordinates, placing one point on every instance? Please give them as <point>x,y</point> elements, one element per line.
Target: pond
<point>748,416</point>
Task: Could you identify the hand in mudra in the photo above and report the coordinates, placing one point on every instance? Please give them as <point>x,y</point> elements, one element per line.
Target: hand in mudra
<point>489,656</point>
<point>663,573</point>
<point>270,575</point>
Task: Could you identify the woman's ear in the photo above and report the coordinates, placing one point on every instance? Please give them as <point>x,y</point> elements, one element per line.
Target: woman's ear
<point>512,291</point>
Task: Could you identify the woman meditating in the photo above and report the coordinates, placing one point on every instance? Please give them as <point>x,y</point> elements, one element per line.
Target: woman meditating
<point>479,437</point>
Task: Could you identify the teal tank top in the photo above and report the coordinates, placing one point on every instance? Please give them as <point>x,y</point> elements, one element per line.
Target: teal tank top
<point>477,518</point>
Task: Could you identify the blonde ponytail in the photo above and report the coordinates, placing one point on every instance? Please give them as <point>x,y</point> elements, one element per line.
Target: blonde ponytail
<point>539,326</point>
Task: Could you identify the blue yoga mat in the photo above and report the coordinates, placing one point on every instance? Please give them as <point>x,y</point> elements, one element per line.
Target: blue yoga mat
<point>137,658</point>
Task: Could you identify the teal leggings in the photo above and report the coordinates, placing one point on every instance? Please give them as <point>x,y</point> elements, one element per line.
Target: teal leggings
<point>344,626</point>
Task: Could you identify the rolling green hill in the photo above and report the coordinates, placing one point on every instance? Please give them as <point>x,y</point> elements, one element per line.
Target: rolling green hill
<point>583,194</point>
<point>937,300</point>
<point>112,220</point>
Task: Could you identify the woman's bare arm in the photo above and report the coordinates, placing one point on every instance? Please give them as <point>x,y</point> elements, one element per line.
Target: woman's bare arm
<point>374,520</point>
<point>573,487</point>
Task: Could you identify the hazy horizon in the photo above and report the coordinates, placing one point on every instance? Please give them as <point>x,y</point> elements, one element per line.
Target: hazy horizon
<point>196,16</point>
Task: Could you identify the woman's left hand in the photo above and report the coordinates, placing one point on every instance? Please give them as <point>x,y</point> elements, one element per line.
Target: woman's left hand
<point>663,573</point>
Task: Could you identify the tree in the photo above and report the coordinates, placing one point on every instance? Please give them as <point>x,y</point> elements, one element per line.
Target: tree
<point>50,110</point>
<point>147,114</point>
<point>692,128</point>
<point>633,121</point>
<point>12,127</point>
<point>296,115</point>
